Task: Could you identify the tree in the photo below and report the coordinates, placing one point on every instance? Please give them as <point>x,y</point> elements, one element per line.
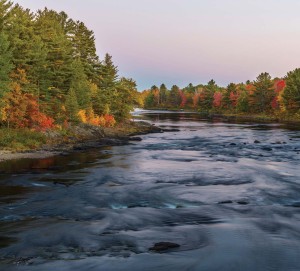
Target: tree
<point>5,64</point>
<point>72,107</point>
<point>107,85</point>
<point>126,99</point>
<point>226,101</point>
<point>21,111</point>
<point>243,101</point>
<point>163,93</point>
<point>264,92</point>
<point>80,84</point>
<point>84,48</point>
<point>291,93</point>
<point>5,7</point>
<point>207,96</point>
<point>217,99</point>
<point>174,98</point>
<point>51,27</point>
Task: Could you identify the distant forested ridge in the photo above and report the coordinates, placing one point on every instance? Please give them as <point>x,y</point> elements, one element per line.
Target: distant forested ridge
<point>50,73</point>
<point>265,95</point>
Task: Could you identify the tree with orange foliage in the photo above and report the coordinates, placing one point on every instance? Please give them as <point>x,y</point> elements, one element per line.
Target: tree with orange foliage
<point>21,110</point>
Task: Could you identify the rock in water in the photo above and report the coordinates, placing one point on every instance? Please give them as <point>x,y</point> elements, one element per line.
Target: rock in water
<point>163,246</point>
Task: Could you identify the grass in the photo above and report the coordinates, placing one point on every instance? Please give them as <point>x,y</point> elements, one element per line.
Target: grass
<point>20,139</point>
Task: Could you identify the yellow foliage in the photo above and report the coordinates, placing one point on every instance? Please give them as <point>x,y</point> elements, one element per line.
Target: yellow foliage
<point>3,114</point>
<point>82,116</point>
<point>91,118</point>
<point>281,103</point>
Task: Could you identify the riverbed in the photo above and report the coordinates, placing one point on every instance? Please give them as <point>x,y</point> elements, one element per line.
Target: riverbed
<point>227,193</point>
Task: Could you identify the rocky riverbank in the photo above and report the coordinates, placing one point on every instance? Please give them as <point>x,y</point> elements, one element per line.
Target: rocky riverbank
<point>84,137</point>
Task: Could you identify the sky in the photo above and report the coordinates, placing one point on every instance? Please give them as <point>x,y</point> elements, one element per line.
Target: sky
<point>190,41</point>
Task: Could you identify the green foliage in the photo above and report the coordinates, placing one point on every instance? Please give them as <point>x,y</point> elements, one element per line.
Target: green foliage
<point>126,98</point>
<point>72,106</point>
<point>16,139</point>
<point>264,92</point>
<point>80,84</point>
<point>53,59</point>
<point>163,92</point>
<point>174,99</point>
<point>226,101</point>
<point>5,64</point>
<point>243,102</point>
<point>291,93</point>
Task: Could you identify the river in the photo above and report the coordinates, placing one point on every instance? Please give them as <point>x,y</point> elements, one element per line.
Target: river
<point>227,193</point>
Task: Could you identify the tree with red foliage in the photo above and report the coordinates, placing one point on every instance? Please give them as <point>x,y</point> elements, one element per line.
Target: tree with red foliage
<point>183,98</point>
<point>217,99</point>
<point>22,111</point>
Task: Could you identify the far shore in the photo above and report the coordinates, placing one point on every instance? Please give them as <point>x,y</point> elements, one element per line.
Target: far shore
<point>233,116</point>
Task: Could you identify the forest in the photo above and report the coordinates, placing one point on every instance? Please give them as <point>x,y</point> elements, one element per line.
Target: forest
<point>265,95</point>
<point>51,75</point>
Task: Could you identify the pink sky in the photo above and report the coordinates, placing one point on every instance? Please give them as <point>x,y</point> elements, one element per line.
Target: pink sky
<point>192,41</point>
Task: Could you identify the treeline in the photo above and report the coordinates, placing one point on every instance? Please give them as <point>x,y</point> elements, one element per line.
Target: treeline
<point>280,96</point>
<point>51,75</point>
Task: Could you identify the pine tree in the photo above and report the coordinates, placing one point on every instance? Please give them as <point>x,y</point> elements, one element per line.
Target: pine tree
<point>291,93</point>
<point>81,85</point>
<point>163,93</point>
<point>72,107</point>
<point>51,27</point>
<point>84,48</point>
<point>226,101</point>
<point>243,101</point>
<point>106,94</point>
<point>5,64</point>
<point>264,92</point>
<point>174,96</point>
<point>5,7</point>
<point>126,99</point>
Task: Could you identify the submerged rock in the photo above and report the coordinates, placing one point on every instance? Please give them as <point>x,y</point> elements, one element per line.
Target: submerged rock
<point>225,202</point>
<point>266,149</point>
<point>135,138</point>
<point>163,246</point>
<point>242,202</point>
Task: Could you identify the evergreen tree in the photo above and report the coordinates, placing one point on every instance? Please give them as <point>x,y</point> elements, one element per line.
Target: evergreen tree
<point>207,96</point>
<point>81,85</point>
<point>84,48</point>
<point>226,101</point>
<point>264,92</point>
<point>291,93</point>
<point>106,94</point>
<point>243,102</point>
<point>72,107</point>
<point>5,64</point>
<point>5,7</point>
<point>174,99</point>
<point>126,99</point>
<point>163,91</point>
<point>51,27</point>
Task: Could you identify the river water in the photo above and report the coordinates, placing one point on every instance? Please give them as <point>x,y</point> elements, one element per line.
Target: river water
<point>231,204</point>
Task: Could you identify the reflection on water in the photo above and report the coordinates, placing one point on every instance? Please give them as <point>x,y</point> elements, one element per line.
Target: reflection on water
<point>227,193</point>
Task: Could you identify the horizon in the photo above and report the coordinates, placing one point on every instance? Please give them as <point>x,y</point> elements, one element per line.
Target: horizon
<point>175,42</point>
